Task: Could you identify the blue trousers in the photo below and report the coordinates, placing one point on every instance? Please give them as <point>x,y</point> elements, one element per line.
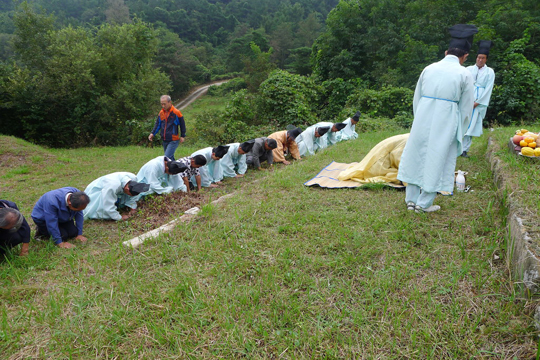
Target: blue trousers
<point>170,147</point>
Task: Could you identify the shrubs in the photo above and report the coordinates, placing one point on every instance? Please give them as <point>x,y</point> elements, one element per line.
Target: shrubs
<point>230,86</point>
<point>387,102</point>
<point>288,98</point>
<point>516,97</point>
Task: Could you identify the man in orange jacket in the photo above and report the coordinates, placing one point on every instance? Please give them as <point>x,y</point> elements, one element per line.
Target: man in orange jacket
<point>168,120</point>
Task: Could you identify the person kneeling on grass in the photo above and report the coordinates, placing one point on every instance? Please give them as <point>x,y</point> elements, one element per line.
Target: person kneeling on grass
<point>334,135</point>
<point>286,143</point>
<point>261,151</point>
<point>348,132</point>
<point>112,192</point>
<point>14,228</point>
<point>192,165</point>
<point>161,174</point>
<point>211,173</point>
<point>235,159</point>
<point>59,213</point>
<point>312,139</point>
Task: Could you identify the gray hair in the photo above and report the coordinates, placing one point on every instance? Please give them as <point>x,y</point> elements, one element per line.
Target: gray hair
<point>6,218</point>
<point>166,97</point>
<point>79,199</point>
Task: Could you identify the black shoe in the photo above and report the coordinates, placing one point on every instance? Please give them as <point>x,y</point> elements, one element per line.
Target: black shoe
<point>464,154</point>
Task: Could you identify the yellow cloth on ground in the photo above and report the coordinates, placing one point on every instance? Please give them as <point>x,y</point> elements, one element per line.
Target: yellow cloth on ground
<point>380,165</point>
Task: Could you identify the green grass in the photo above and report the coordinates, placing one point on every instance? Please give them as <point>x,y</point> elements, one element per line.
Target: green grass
<point>278,270</point>
<point>205,103</point>
<point>522,175</point>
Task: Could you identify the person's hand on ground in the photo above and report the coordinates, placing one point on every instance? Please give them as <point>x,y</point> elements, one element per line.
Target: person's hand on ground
<point>65,245</point>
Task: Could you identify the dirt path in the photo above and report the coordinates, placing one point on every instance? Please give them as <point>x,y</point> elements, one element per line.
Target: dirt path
<point>196,94</point>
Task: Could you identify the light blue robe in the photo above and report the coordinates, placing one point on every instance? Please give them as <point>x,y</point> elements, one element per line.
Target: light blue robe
<point>442,105</point>
<point>211,172</point>
<point>232,161</point>
<point>153,173</point>
<point>308,144</point>
<point>332,138</point>
<point>483,87</point>
<point>348,133</point>
<point>107,196</point>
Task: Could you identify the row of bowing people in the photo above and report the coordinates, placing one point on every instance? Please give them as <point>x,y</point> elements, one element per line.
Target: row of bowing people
<point>59,214</point>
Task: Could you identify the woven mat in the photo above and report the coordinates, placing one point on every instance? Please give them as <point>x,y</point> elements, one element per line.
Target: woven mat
<point>328,178</point>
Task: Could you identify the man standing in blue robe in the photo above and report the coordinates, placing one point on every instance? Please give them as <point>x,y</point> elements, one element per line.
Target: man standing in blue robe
<point>235,159</point>
<point>112,192</point>
<point>442,105</point>
<point>484,79</point>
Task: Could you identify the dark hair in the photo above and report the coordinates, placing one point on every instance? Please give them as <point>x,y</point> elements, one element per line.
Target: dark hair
<point>272,143</point>
<point>79,199</point>
<point>6,215</point>
<point>457,52</point>
<point>199,160</point>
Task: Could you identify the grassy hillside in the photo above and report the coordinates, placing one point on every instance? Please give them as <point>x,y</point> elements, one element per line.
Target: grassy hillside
<point>278,270</point>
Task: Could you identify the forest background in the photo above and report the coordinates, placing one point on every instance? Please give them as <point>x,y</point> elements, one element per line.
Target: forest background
<point>82,73</point>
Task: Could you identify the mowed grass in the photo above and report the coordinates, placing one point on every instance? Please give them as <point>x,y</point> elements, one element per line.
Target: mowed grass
<point>278,270</point>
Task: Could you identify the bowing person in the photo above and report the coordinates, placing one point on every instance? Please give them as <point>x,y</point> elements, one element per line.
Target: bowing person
<point>111,192</point>
<point>59,214</point>
<point>286,143</point>
<point>211,173</point>
<point>14,228</point>
<point>161,174</point>
<point>312,139</point>
<point>261,151</point>
<point>348,132</point>
<point>334,135</point>
<point>233,163</point>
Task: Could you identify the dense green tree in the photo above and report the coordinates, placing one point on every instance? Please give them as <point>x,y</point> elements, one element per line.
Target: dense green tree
<point>81,87</point>
<point>117,12</point>
<point>289,99</point>
<point>257,67</point>
<point>178,60</point>
<point>516,98</point>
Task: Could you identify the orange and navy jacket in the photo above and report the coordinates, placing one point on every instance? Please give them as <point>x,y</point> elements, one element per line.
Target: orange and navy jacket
<point>167,122</point>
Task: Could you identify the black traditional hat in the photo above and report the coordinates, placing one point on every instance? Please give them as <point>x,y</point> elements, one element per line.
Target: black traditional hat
<point>462,36</point>
<point>323,130</point>
<point>176,167</point>
<point>247,145</point>
<point>290,127</point>
<point>135,188</point>
<point>484,46</point>
<point>272,143</point>
<point>294,133</point>
<point>356,116</point>
<point>220,151</point>
<point>340,126</point>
